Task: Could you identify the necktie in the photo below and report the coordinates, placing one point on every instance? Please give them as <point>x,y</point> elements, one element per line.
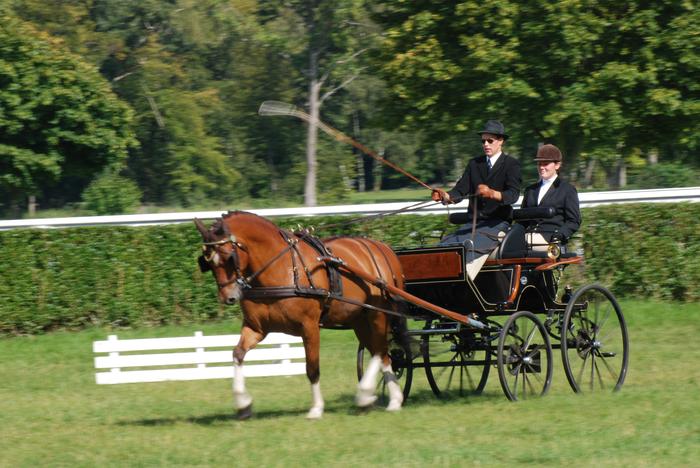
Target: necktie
<point>488,163</point>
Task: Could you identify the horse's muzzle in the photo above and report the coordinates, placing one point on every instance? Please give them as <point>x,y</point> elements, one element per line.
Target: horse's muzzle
<point>230,294</point>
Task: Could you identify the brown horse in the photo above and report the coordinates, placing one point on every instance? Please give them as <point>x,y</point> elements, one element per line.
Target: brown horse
<point>286,284</point>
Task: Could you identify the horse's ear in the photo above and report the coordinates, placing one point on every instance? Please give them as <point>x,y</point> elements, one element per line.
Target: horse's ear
<point>201,228</point>
<point>203,264</point>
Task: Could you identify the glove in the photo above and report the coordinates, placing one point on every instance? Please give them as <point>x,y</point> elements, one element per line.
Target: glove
<point>484,191</point>
<point>440,195</point>
<point>557,238</point>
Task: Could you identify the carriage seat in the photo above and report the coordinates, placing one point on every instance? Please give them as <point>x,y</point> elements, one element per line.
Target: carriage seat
<point>514,244</point>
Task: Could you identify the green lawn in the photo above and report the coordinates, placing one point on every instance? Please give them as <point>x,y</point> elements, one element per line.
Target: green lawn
<point>52,413</point>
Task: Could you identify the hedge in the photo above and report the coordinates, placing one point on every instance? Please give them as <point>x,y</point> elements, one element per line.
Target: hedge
<point>135,276</point>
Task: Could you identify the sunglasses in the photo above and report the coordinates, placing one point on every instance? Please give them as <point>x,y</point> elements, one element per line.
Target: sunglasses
<point>488,140</point>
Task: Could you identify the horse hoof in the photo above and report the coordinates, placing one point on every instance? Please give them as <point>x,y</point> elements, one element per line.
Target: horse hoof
<point>244,413</point>
<point>315,413</point>
<point>394,405</point>
<point>364,401</point>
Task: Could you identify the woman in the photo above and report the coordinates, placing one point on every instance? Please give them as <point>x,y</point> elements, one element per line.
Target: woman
<point>551,190</point>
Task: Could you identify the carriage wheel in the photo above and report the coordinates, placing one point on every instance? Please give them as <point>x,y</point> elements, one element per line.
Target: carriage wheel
<point>456,363</point>
<point>596,349</point>
<point>401,364</point>
<point>524,357</point>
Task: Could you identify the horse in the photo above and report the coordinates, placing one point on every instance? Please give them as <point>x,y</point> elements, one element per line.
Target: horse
<point>295,283</point>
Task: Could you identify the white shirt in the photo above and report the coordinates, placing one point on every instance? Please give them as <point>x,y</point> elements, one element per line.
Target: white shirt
<point>494,158</point>
<point>546,183</point>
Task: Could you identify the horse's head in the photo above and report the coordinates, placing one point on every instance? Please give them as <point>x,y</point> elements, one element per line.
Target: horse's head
<point>225,257</point>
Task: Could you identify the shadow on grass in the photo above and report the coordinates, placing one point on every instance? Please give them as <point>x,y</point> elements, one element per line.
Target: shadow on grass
<point>342,404</point>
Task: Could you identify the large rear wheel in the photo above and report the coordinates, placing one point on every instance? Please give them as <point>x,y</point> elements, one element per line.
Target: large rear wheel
<point>457,360</point>
<point>524,357</point>
<point>595,347</point>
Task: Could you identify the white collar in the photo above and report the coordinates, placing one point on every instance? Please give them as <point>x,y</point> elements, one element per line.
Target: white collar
<point>549,181</point>
<point>495,157</point>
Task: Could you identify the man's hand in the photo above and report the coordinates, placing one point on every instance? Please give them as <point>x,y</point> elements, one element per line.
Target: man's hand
<point>557,238</point>
<point>483,190</point>
<point>441,196</point>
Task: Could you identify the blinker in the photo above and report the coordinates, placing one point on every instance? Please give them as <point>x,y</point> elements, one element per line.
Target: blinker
<point>203,264</point>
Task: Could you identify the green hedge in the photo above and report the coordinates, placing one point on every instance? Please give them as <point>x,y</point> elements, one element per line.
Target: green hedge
<point>121,276</point>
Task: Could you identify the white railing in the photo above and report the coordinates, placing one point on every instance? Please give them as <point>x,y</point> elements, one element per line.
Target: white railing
<point>689,194</point>
<point>200,357</point>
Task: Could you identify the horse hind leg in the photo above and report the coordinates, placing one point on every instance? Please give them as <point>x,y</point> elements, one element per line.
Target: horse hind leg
<point>373,334</point>
<point>312,343</point>
<point>392,384</point>
<point>366,396</point>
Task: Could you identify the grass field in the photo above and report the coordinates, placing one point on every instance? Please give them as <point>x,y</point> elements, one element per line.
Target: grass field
<point>52,413</point>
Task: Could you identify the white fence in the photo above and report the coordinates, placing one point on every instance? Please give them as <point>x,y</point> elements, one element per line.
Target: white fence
<point>691,194</point>
<point>278,354</point>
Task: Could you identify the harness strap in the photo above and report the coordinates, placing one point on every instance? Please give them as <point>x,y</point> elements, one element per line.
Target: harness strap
<point>274,292</point>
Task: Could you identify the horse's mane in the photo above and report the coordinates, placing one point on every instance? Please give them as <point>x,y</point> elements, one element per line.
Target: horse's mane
<point>219,227</point>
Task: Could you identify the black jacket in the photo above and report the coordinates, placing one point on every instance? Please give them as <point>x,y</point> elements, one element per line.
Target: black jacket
<point>504,176</point>
<point>564,198</point>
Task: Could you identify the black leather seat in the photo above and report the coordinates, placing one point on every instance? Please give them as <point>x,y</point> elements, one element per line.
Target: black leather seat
<point>513,244</point>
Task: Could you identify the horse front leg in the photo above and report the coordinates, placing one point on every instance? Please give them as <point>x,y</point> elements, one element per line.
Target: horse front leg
<point>242,400</point>
<point>312,345</point>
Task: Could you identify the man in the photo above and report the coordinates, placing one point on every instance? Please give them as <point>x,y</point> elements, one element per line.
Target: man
<point>551,190</point>
<point>493,182</point>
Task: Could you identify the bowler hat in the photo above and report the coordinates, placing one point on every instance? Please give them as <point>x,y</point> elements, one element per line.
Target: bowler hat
<point>548,153</point>
<point>494,127</point>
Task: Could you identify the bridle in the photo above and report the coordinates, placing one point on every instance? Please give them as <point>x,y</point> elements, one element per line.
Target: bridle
<point>243,281</point>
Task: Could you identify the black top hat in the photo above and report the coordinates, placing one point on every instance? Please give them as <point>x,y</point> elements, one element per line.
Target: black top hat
<point>494,127</point>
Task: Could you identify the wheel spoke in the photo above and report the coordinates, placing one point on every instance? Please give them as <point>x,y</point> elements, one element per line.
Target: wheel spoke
<point>613,373</point>
<point>592,370</point>
<point>533,391</point>
<point>528,341</point>
<point>600,324</point>
<point>600,377</point>
<point>583,366</point>
<point>515,383</point>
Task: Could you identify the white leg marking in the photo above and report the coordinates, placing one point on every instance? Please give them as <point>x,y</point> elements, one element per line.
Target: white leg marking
<point>365,389</point>
<point>240,396</point>
<point>395,393</point>
<point>317,404</point>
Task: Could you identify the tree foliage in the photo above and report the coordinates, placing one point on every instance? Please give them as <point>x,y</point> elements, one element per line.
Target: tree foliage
<point>60,123</point>
<point>612,83</point>
<point>601,79</point>
<point>111,193</point>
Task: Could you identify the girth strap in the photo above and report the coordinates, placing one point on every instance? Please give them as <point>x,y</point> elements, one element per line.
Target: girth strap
<point>335,283</point>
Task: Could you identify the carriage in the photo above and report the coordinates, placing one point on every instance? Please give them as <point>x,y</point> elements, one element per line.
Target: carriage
<point>511,316</point>
<point>418,308</point>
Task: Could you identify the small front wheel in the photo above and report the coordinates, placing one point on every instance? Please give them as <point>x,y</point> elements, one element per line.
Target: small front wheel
<point>524,357</point>
<point>457,363</point>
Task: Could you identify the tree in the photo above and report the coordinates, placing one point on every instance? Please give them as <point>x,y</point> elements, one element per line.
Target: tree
<point>60,123</point>
<point>325,39</point>
<point>600,79</point>
<point>159,64</point>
